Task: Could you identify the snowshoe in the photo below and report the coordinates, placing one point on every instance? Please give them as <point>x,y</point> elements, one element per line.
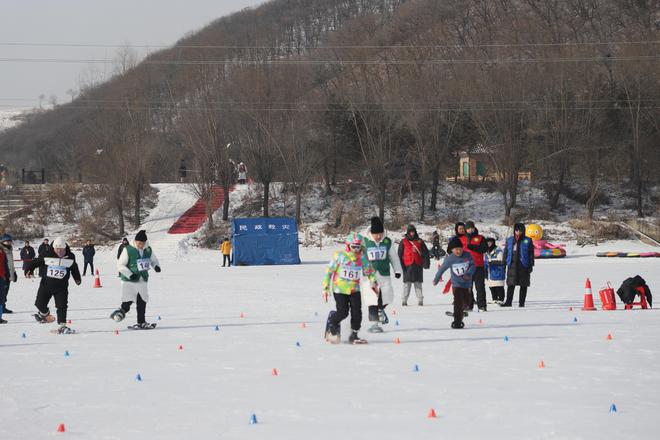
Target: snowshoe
<point>375,329</point>
<point>329,336</point>
<point>382,317</point>
<point>355,339</point>
<point>63,330</point>
<point>43,319</point>
<point>457,325</point>
<point>465,314</point>
<point>118,315</point>
<point>143,326</point>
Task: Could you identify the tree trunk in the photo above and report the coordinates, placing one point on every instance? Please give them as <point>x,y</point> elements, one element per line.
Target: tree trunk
<point>225,204</point>
<point>326,177</point>
<point>381,203</point>
<point>639,186</point>
<point>298,205</point>
<point>138,205</point>
<point>435,174</point>
<point>557,189</point>
<point>120,217</point>
<point>266,197</point>
<point>421,213</point>
<point>209,210</point>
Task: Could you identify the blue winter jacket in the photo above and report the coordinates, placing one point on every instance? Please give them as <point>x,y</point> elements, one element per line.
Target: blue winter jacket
<point>523,252</point>
<point>461,267</point>
<point>494,266</point>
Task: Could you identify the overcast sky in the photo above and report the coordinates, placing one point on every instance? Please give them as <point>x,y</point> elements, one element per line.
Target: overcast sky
<point>104,22</point>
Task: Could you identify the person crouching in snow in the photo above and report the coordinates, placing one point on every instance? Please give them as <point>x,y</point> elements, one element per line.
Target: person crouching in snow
<point>134,264</point>
<point>342,279</point>
<point>462,268</point>
<point>495,271</point>
<point>381,255</point>
<point>57,265</point>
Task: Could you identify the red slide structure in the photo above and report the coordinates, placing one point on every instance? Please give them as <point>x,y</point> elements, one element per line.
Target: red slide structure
<point>195,217</point>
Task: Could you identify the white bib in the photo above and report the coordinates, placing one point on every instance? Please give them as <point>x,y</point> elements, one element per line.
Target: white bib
<point>378,253</point>
<point>460,269</point>
<point>350,272</point>
<point>57,272</point>
<point>144,264</point>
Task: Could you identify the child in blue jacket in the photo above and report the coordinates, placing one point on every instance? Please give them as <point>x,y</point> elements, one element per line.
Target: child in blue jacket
<point>462,268</point>
<point>495,271</point>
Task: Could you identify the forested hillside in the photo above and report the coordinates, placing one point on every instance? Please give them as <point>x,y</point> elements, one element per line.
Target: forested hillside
<point>382,91</point>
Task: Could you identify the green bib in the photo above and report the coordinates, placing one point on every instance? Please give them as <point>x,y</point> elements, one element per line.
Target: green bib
<point>379,254</point>
<point>138,265</point>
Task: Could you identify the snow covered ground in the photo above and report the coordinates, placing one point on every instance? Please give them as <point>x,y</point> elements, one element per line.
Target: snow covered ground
<point>479,385</point>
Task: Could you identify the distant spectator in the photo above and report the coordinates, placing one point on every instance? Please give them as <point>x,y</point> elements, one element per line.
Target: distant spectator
<point>27,255</point>
<point>183,171</point>
<point>88,252</point>
<point>124,243</point>
<point>242,173</point>
<point>6,246</point>
<point>225,248</point>
<point>41,251</point>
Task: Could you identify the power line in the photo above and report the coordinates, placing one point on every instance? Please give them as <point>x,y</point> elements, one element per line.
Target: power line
<point>321,47</point>
<point>339,62</point>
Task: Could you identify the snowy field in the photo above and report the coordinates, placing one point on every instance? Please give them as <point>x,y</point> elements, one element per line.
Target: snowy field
<point>480,385</point>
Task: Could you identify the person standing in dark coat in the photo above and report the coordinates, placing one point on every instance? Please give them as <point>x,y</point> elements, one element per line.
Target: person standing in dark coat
<point>414,256</point>
<point>124,243</point>
<point>27,255</point>
<point>88,252</point>
<point>41,251</point>
<point>519,257</point>
<point>476,245</point>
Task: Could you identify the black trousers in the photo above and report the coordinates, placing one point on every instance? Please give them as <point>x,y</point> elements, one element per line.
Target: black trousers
<point>226,259</point>
<point>509,295</point>
<point>88,263</point>
<point>479,281</point>
<point>345,303</point>
<point>4,292</point>
<point>61,302</point>
<point>462,297</point>
<point>373,310</point>
<point>141,307</point>
<point>497,293</point>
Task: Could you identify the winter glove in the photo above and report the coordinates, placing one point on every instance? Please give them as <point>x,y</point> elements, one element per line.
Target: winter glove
<point>397,275</point>
<point>157,269</point>
<point>14,277</point>
<point>78,282</point>
<point>135,277</point>
<point>530,270</point>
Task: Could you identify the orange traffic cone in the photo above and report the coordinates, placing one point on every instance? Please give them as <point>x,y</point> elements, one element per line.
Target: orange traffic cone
<point>541,364</point>
<point>397,341</point>
<point>60,428</point>
<point>242,315</point>
<point>274,373</point>
<point>609,336</point>
<point>303,325</point>
<point>432,414</point>
<point>97,280</point>
<point>588,298</point>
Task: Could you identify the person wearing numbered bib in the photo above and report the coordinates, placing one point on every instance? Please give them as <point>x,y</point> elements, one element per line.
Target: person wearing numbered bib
<point>342,280</point>
<point>134,264</point>
<point>381,254</point>
<point>57,265</point>
<point>462,267</point>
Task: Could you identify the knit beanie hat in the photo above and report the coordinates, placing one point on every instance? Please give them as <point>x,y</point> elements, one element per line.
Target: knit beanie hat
<point>454,243</point>
<point>141,236</point>
<point>377,225</point>
<point>470,225</point>
<point>519,227</point>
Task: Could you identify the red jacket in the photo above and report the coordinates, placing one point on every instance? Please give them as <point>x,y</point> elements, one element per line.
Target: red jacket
<point>4,270</point>
<point>476,246</point>
<point>412,252</point>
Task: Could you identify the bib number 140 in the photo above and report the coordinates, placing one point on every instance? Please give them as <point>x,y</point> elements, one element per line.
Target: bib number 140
<point>143,264</point>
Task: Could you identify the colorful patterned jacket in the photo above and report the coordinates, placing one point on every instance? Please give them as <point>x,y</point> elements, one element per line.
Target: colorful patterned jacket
<point>345,271</point>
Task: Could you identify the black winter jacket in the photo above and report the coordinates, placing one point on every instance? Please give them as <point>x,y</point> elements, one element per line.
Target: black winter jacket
<point>56,271</point>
